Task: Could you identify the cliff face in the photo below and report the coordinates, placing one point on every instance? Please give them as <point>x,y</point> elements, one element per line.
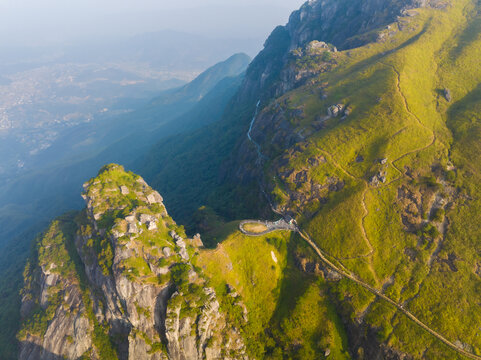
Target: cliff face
<point>345,24</point>
<point>317,37</point>
<point>56,322</point>
<point>116,281</point>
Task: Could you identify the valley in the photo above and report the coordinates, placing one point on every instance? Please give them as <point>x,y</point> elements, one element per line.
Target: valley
<point>40,105</point>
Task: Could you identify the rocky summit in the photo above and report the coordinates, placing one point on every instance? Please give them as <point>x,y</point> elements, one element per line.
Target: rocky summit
<point>121,270</point>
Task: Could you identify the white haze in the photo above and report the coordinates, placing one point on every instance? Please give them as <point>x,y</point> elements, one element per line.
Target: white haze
<point>47,22</point>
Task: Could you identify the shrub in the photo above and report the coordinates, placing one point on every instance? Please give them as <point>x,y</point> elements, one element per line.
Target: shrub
<point>180,275</point>
<point>439,215</point>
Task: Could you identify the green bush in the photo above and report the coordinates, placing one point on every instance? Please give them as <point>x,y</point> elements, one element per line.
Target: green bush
<point>180,275</point>
<point>439,215</point>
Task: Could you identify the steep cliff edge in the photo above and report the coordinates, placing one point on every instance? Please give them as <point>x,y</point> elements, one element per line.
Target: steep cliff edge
<point>319,39</point>
<point>346,24</point>
<point>117,281</point>
<point>55,315</point>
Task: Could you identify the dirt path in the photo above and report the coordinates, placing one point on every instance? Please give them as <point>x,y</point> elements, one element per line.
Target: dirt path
<point>393,164</point>
<point>421,124</point>
<point>379,294</point>
<point>345,272</point>
<point>363,204</point>
<point>260,156</point>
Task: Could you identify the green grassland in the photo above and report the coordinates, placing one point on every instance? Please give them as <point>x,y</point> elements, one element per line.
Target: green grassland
<point>289,313</point>
<point>399,112</point>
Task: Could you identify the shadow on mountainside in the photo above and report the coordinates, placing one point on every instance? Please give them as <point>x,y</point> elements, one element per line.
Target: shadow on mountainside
<point>38,352</point>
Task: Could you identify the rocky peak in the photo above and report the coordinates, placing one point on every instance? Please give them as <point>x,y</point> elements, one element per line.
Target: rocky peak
<point>114,189</point>
<point>134,290</point>
<point>344,24</point>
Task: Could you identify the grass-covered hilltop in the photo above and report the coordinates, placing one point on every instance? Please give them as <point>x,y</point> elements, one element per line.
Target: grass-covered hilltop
<point>353,145</point>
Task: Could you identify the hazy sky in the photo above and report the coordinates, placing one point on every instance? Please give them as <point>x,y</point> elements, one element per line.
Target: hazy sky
<point>40,21</point>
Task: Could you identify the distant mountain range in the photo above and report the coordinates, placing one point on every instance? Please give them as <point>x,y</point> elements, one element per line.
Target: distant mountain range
<point>166,50</point>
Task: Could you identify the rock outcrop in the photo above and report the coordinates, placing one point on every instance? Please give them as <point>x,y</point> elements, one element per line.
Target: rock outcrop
<point>326,25</point>
<point>117,282</point>
<point>56,322</point>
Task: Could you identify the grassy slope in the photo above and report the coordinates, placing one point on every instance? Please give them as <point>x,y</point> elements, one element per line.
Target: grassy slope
<point>395,90</point>
<point>289,312</point>
<point>451,296</point>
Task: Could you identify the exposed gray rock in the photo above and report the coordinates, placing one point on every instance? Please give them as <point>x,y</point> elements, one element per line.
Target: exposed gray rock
<point>316,47</point>
<point>184,254</point>
<point>144,218</point>
<point>68,334</point>
<point>333,275</point>
<point>132,228</point>
<point>142,182</point>
<point>447,95</point>
<point>197,241</point>
<point>184,343</point>
<point>335,110</point>
<point>180,242</point>
<point>151,225</point>
<point>117,234</point>
<point>154,198</point>
<point>167,251</point>
<point>374,181</point>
